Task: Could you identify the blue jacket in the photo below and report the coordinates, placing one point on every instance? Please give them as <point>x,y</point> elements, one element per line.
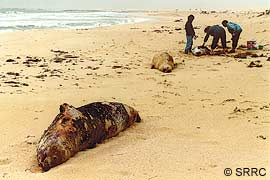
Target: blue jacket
<point>233,27</point>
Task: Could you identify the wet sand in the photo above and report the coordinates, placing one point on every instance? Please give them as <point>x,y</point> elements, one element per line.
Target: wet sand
<point>209,113</point>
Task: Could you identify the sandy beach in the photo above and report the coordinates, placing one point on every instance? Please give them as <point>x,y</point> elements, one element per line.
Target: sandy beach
<point>208,114</point>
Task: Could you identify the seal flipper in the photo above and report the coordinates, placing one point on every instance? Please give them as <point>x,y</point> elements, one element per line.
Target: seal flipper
<point>138,118</point>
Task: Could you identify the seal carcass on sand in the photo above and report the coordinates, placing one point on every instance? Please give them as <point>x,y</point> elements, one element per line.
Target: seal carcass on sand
<point>200,50</point>
<point>76,129</point>
<point>163,62</point>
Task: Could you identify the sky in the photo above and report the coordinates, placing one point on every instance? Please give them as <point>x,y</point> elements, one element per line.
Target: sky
<point>135,4</point>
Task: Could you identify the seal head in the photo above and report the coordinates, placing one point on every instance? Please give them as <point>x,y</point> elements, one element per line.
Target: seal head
<point>51,155</point>
<point>57,144</point>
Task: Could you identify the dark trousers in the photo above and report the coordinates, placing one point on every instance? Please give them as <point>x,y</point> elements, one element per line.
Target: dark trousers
<point>235,39</point>
<point>219,35</point>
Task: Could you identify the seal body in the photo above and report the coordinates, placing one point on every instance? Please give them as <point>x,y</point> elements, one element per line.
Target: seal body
<point>76,129</point>
<point>200,50</point>
<point>163,62</point>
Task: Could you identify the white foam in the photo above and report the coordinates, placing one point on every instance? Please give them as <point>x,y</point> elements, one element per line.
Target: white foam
<point>23,19</point>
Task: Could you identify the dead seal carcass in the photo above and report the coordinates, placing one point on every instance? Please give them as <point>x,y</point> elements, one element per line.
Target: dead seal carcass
<point>200,50</point>
<point>76,129</point>
<point>163,62</point>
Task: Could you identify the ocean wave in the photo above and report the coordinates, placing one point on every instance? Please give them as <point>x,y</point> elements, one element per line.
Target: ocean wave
<point>24,19</point>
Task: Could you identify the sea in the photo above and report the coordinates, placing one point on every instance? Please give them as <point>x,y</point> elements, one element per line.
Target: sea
<point>26,19</point>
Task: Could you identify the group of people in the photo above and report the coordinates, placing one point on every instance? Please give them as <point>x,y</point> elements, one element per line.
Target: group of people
<point>218,32</point>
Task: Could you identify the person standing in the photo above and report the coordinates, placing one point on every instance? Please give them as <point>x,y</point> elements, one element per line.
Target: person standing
<point>235,30</point>
<point>217,32</point>
<point>190,34</point>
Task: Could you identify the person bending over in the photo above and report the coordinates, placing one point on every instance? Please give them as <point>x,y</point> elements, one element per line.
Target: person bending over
<point>235,30</point>
<point>217,32</point>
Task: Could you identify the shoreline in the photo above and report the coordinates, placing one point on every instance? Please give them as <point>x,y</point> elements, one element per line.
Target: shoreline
<point>86,22</point>
<point>147,15</point>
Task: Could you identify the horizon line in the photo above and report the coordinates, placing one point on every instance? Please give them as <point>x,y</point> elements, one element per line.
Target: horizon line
<point>146,9</point>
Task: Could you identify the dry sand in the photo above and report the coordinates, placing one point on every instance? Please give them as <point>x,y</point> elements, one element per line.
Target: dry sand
<point>210,113</point>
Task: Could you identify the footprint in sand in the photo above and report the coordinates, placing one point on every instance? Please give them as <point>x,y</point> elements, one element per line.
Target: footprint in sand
<point>4,161</point>
<point>124,173</point>
<point>4,175</point>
